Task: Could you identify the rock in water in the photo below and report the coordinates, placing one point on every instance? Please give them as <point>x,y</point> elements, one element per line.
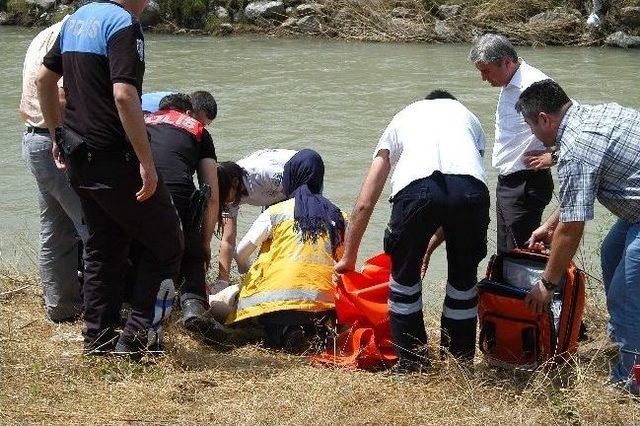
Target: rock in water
<point>622,39</point>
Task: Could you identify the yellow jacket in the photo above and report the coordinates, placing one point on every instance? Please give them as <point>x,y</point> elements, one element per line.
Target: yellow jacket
<point>288,274</point>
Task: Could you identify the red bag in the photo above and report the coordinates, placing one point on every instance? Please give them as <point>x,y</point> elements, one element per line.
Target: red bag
<point>512,335</point>
<point>361,302</point>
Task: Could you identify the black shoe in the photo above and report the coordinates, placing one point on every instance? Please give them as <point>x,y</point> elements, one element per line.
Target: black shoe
<point>195,320</point>
<point>294,340</point>
<point>405,366</point>
<point>134,349</point>
<point>103,344</point>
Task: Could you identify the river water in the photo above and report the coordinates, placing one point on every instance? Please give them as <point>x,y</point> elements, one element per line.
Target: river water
<point>333,96</point>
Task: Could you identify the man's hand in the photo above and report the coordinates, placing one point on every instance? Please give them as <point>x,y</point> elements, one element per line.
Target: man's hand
<point>425,264</point>
<point>538,298</point>
<point>206,253</point>
<point>149,178</point>
<point>541,238</point>
<point>537,160</point>
<point>57,156</point>
<point>342,267</point>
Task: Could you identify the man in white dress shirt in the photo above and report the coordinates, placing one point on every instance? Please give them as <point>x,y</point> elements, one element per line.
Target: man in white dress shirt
<point>525,184</point>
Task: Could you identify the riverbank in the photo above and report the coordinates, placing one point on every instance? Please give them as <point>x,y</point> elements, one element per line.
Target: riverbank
<point>45,380</point>
<point>525,22</point>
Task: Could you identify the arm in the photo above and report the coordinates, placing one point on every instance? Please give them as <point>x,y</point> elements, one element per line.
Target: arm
<point>47,83</point>
<point>436,239</point>
<point>130,112</point>
<point>256,235</point>
<point>541,237</point>
<point>359,219</point>
<point>207,174</point>
<point>227,247</point>
<point>566,238</point>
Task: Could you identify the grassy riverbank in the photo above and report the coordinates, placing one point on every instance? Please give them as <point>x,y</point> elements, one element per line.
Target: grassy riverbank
<point>531,22</point>
<point>45,380</point>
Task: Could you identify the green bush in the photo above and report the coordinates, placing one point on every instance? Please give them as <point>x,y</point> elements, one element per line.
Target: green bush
<point>186,13</point>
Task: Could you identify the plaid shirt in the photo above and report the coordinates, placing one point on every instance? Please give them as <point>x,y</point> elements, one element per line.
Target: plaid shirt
<point>599,156</point>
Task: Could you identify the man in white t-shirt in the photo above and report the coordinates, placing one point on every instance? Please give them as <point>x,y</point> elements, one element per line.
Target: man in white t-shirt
<point>525,184</point>
<point>439,192</point>
<point>256,180</point>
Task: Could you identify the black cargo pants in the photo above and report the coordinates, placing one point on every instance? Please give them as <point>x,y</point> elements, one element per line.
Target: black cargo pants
<point>107,184</point>
<point>460,204</point>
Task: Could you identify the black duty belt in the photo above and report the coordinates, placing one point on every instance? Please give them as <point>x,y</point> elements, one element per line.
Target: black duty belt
<point>38,130</point>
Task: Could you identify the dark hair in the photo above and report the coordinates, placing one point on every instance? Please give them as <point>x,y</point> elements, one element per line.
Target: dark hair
<point>177,102</point>
<point>205,102</point>
<point>228,173</point>
<point>542,96</point>
<point>440,94</point>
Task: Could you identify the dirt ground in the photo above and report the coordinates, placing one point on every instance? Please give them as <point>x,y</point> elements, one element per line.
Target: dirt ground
<point>44,379</point>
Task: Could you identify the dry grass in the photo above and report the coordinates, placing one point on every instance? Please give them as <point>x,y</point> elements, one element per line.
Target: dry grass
<point>45,380</point>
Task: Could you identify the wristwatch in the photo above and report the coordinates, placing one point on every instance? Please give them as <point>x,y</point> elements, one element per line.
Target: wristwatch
<point>548,284</point>
<point>554,157</point>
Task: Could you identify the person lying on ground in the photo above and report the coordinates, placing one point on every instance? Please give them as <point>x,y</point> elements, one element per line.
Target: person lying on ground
<point>289,287</point>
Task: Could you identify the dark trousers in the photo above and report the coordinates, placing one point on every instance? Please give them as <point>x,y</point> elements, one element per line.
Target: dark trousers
<point>106,184</point>
<point>521,198</point>
<point>191,279</point>
<point>460,204</point>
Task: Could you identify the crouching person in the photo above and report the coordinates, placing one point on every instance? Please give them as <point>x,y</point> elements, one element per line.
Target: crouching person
<point>289,285</point>
<point>181,147</point>
<point>438,191</point>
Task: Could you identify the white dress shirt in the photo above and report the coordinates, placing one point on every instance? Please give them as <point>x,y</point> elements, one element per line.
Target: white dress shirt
<point>433,135</point>
<point>513,135</point>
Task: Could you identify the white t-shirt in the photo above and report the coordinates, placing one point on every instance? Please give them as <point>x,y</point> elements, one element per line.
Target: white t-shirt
<point>433,135</point>
<point>264,178</point>
<point>513,135</point>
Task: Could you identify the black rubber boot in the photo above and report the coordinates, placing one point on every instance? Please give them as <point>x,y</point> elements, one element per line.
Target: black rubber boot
<point>195,320</point>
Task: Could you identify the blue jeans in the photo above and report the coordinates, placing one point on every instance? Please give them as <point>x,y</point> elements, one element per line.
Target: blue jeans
<point>620,256</point>
<point>61,226</point>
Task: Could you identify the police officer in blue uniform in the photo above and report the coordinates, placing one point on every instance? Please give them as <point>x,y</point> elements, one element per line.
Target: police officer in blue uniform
<point>104,145</point>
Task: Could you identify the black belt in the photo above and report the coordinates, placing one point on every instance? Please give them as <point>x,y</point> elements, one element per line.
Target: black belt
<point>38,130</point>
<point>523,174</point>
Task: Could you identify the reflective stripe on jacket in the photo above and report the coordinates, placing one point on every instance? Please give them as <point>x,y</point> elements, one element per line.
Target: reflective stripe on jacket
<point>288,274</point>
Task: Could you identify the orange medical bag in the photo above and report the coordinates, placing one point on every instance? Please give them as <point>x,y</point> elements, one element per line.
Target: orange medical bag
<point>513,336</point>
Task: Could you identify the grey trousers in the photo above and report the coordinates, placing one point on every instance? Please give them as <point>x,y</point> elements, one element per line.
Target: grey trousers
<point>61,227</point>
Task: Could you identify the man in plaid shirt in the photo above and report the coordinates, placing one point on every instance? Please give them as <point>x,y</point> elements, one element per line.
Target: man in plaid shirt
<point>598,156</point>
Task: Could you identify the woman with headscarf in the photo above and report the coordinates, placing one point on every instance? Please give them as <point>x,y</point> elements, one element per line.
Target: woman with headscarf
<point>289,286</point>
